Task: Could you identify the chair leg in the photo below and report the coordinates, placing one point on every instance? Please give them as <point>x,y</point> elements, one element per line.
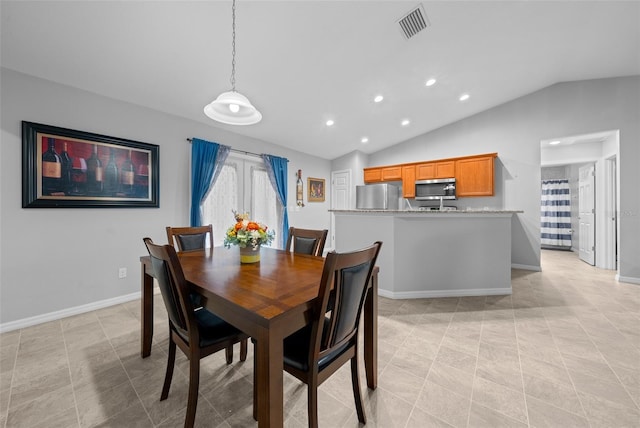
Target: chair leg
<point>243,350</point>
<point>255,386</point>
<point>312,403</point>
<point>228,352</point>
<point>169,373</point>
<point>194,381</point>
<point>357,395</point>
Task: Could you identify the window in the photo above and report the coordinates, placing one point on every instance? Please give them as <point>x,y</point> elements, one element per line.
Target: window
<point>243,186</point>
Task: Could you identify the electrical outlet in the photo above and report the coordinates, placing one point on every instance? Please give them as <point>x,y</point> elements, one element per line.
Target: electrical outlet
<point>122,273</point>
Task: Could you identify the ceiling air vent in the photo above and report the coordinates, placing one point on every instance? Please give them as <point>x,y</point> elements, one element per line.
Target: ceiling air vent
<point>413,22</point>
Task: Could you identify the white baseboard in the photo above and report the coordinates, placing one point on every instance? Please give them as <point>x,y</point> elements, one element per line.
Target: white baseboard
<point>52,316</point>
<point>526,267</point>
<point>629,279</point>
<point>425,294</point>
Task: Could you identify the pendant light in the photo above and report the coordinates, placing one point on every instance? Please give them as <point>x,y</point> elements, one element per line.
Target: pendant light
<point>232,107</point>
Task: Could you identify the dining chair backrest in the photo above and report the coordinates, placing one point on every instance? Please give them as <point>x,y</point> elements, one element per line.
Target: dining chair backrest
<point>306,241</point>
<point>173,287</point>
<point>330,339</point>
<point>348,276</point>
<point>190,238</point>
<point>197,333</point>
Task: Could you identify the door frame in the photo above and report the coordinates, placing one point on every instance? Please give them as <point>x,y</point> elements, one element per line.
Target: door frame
<point>610,249</point>
<point>607,240</point>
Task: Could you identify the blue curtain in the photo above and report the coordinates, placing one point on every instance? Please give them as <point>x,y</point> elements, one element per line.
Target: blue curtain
<point>555,217</point>
<point>207,159</point>
<point>277,171</point>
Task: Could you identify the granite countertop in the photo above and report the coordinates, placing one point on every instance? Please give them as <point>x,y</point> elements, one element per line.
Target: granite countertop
<point>431,212</point>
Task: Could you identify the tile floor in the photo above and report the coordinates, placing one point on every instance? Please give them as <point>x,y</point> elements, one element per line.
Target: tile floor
<point>562,351</point>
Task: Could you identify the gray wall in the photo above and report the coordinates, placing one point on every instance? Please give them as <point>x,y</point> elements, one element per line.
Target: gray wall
<point>554,173</point>
<point>514,130</point>
<point>57,259</point>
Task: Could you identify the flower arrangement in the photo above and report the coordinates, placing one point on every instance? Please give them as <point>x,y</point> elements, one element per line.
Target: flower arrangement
<point>247,233</point>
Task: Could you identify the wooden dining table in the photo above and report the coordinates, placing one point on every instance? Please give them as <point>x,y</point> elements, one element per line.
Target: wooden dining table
<point>268,300</point>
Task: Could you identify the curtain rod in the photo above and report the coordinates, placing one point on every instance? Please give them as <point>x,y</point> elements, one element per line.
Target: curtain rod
<point>237,151</point>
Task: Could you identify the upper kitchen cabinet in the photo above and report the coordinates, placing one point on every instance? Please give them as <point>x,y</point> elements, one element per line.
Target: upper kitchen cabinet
<point>372,175</point>
<point>409,181</point>
<point>392,173</point>
<point>441,169</point>
<point>475,175</point>
<point>384,173</point>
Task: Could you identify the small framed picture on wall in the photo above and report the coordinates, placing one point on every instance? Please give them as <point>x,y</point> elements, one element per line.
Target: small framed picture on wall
<point>316,189</point>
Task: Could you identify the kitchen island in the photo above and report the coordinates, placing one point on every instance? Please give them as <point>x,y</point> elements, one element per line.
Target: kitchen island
<point>433,253</point>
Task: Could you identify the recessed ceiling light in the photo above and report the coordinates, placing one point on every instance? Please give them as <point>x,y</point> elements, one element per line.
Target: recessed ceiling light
<point>554,143</point>
<point>330,122</point>
<point>431,82</point>
<point>378,98</point>
<point>464,97</point>
<point>405,122</point>
<point>364,140</point>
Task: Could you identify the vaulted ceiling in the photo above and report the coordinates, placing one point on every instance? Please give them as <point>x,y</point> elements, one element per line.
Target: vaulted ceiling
<point>302,63</point>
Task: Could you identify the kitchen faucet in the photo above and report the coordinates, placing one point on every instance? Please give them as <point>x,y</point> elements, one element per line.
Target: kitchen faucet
<point>408,203</point>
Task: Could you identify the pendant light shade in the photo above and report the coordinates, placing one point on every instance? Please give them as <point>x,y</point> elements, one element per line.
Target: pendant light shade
<point>232,107</point>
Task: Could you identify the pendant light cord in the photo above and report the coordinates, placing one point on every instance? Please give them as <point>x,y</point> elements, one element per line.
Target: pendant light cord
<point>233,46</point>
<point>231,107</point>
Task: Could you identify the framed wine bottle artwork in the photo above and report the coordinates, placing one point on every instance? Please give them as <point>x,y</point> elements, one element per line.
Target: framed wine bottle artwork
<point>316,189</point>
<point>65,168</point>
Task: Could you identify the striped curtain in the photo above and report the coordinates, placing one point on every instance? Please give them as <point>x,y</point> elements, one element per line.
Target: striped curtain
<point>555,217</point>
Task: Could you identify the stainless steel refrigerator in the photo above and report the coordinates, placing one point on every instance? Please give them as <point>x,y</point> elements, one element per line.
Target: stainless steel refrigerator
<point>377,197</point>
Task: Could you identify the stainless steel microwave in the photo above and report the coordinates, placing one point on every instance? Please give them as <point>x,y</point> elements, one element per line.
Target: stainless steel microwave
<point>436,189</point>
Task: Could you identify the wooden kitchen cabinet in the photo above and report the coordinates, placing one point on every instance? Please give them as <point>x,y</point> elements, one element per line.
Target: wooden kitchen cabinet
<point>445,169</point>
<point>475,176</point>
<point>425,171</point>
<point>429,170</point>
<point>392,173</point>
<point>383,173</point>
<point>409,181</point>
<point>372,175</point>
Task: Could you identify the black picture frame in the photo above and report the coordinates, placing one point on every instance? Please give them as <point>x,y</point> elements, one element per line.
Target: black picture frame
<point>129,175</point>
<point>316,189</point>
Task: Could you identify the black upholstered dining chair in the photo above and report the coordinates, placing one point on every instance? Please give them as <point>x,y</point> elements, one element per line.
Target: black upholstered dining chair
<point>198,333</point>
<point>315,352</point>
<point>190,238</point>
<point>306,241</point>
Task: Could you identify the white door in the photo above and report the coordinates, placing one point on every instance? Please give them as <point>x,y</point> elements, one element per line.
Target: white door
<point>340,196</point>
<point>586,208</point>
